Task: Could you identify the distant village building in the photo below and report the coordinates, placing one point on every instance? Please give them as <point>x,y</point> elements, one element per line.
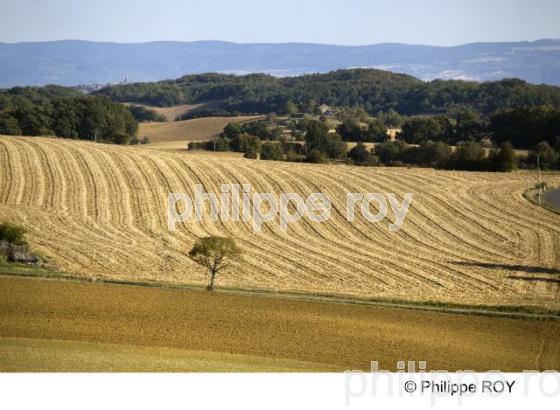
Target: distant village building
<point>327,111</point>
<point>392,133</point>
<point>287,133</point>
<point>123,82</point>
<point>89,88</point>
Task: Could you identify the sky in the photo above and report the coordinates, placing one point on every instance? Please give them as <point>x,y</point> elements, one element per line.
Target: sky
<point>348,22</point>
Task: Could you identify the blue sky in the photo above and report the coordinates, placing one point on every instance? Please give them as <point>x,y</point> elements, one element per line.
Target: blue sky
<point>352,22</point>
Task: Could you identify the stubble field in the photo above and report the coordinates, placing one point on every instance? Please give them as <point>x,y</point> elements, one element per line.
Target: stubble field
<point>198,129</point>
<point>100,211</point>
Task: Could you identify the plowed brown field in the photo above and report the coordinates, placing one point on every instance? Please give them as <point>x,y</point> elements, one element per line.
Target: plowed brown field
<point>100,211</point>
<point>53,325</point>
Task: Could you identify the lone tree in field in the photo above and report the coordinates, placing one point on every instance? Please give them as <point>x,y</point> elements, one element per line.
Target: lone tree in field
<point>215,254</point>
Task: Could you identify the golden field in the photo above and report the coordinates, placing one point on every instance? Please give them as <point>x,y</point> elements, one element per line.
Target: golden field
<point>198,129</point>
<point>52,325</point>
<point>99,211</point>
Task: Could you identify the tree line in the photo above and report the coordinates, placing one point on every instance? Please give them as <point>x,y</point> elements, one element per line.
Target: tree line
<point>523,127</point>
<point>65,113</point>
<point>321,145</point>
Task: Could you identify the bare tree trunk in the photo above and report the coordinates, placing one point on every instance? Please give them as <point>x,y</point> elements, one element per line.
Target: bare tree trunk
<point>213,278</point>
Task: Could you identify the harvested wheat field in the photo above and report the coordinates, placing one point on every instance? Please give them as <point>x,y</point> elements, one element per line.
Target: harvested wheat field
<point>49,325</point>
<point>101,211</point>
<point>198,129</point>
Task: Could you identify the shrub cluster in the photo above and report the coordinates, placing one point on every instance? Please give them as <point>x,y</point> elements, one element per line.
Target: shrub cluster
<point>13,234</point>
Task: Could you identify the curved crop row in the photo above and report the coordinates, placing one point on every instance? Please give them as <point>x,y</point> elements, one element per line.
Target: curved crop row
<point>101,211</point>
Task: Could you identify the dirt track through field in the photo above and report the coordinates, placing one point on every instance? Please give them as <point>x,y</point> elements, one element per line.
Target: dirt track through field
<point>308,335</point>
<point>101,211</point>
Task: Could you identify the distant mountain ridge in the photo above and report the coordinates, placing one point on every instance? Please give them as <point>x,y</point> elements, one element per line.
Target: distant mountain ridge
<point>73,62</point>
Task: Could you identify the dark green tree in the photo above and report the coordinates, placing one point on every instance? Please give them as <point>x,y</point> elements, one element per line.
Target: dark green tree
<point>469,127</point>
<point>219,144</point>
<point>232,130</point>
<point>436,154</point>
<point>526,127</point>
<point>319,138</point>
<point>215,254</point>
<point>376,132</point>
<point>316,157</point>
<point>350,130</point>
<point>391,118</point>
<point>34,119</point>
<point>9,125</point>
<point>470,156</point>
<point>419,130</point>
<point>272,151</point>
<point>12,234</point>
<point>547,157</point>
<point>361,156</point>
<point>390,151</point>
<point>290,108</point>
<point>504,160</point>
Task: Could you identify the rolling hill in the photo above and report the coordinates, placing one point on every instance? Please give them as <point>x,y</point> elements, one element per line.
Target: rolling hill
<point>374,90</point>
<point>99,211</point>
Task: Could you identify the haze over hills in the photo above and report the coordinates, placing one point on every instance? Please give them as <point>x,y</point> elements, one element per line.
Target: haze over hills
<point>73,62</point>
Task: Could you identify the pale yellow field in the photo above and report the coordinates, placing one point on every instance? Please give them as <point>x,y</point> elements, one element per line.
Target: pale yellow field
<point>199,129</point>
<point>100,211</point>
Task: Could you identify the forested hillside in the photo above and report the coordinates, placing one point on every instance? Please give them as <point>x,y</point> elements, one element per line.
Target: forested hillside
<point>375,90</point>
<point>66,113</point>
